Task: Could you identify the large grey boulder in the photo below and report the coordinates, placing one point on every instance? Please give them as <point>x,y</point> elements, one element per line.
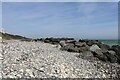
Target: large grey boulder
<point>62,43</point>
<point>86,55</point>
<point>111,55</point>
<point>65,48</point>
<point>91,42</point>
<point>111,52</point>
<point>65,39</point>
<point>104,46</point>
<point>98,52</point>
<point>116,48</point>
<point>47,41</point>
<point>105,55</point>
<point>73,49</point>
<point>80,44</point>
<point>70,41</point>
<point>102,57</point>
<point>68,46</point>
<point>54,40</point>
<point>82,40</point>
<point>41,39</point>
<point>94,48</point>
<point>104,51</point>
<point>84,49</point>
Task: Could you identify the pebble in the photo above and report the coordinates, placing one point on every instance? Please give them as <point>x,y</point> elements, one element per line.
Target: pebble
<point>43,60</point>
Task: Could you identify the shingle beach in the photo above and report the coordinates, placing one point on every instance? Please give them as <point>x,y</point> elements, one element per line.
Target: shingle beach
<point>21,59</point>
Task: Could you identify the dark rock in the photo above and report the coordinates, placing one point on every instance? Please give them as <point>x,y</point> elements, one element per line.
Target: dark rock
<point>80,44</point>
<point>116,48</point>
<point>52,40</point>
<point>37,40</point>
<point>84,49</point>
<point>104,51</point>
<point>86,55</point>
<point>57,40</point>
<point>70,41</point>
<point>66,39</point>
<point>73,49</point>
<point>102,57</point>
<point>104,46</point>
<point>54,43</point>
<point>111,52</point>
<point>97,52</point>
<point>91,42</point>
<point>83,40</point>
<point>47,41</point>
<point>41,39</point>
<point>118,59</point>
<point>111,56</point>
<point>105,55</point>
<point>64,48</point>
<point>28,40</point>
<point>68,46</point>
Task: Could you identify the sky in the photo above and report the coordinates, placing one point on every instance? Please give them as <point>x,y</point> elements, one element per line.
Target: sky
<point>60,0</point>
<point>0,14</point>
<point>86,20</point>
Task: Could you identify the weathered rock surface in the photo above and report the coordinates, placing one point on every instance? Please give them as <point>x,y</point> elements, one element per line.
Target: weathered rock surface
<point>104,46</point>
<point>62,43</point>
<point>80,44</point>
<point>91,42</point>
<point>42,60</point>
<point>94,48</point>
<point>84,49</point>
<point>116,48</point>
<point>73,49</point>
<point>111,56</point>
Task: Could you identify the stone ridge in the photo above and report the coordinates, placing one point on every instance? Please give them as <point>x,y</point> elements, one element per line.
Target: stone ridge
<point>94,48</point>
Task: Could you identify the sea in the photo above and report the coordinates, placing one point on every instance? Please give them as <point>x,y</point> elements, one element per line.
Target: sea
<point>111,42</point>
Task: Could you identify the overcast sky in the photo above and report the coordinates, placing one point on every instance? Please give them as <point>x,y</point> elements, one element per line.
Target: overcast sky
<point>89,20</point>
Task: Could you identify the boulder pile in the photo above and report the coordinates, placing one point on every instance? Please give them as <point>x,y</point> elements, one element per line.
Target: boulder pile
<point>88,48</point>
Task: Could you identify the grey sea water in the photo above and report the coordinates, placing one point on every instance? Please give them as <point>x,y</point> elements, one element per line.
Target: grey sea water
<point>111,42</point>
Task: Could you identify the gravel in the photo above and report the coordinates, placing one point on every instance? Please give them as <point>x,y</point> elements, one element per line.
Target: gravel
<point>20,59</point>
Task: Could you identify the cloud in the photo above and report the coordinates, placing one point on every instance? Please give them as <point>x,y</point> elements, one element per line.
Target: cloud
<point>61,19</point>
<point>87,8</point>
